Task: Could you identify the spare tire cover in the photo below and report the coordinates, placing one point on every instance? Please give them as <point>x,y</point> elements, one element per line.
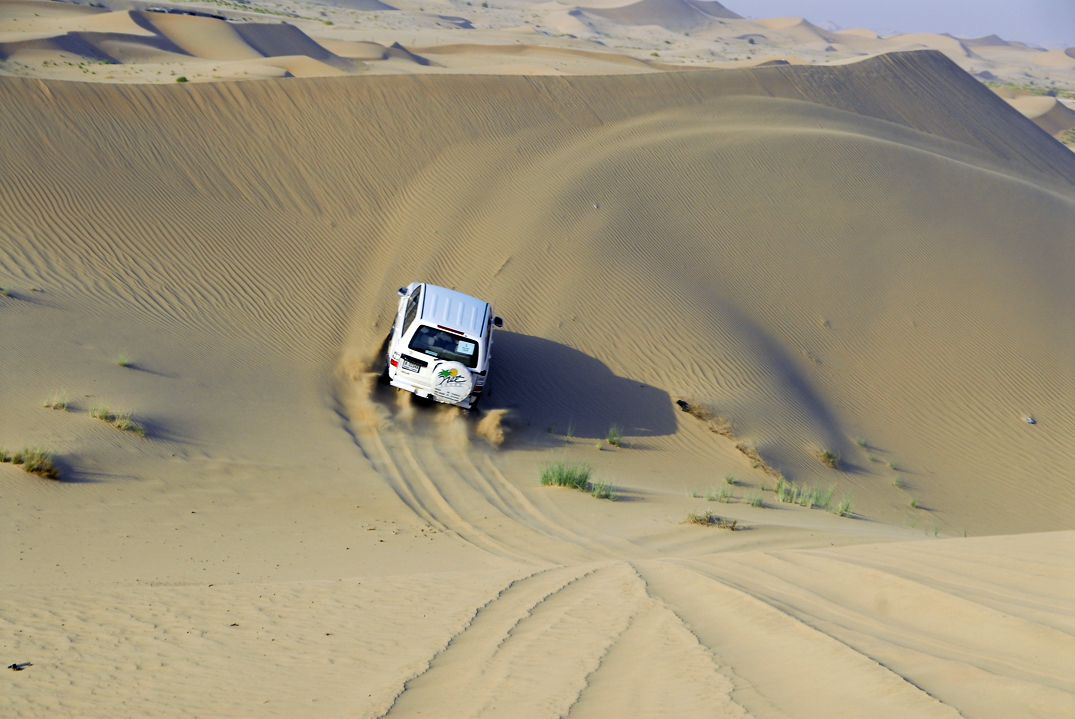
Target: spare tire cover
<point>452,382</point>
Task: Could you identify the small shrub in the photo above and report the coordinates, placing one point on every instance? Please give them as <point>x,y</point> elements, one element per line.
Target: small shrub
<point>615,434</point>
<point>829,458</point>
<point>860,441</point>
<point>123,421</point>
<point>756,460</point>
<point>58,400</point>
<point>181,78</point>
<point>123,360</point>
<point>37,460</point>
<point>716,423</point>
<point>562,474</point>
<point>914,503</point>
<point>843,507</point>
<point>704,518</point>
<point>898,482</point>
<point>729,480</point>
<point>708,519</point>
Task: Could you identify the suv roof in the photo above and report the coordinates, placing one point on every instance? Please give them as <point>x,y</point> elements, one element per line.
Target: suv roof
<point>449,308</point>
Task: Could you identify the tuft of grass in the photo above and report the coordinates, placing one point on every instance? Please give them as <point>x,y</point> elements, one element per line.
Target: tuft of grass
<point>615,434</point>
<point>7,292</point>
<point>843,507</point>
<point>123,360</point>
<point>722,494</point>
<point>5,456</point>
<point>914,503</point>
<point>861,441</point>
<point>893,466</point>
<point>123,421</point>
<point>809,497</point>
<point>603,490</point>
<point>729,480</point>
<point>898,482</point>
<point>829,458</point>
<point>873,458</point>
<point>101,412</point>
<point>575,476</point>
<point>570,434</point>
<point>562,474</point>
<point>37,460</point>
<point>119,420</point>
<point>708,519</point>
<point>57,400</point>
<point>755,500</point>
<point>822,497</point>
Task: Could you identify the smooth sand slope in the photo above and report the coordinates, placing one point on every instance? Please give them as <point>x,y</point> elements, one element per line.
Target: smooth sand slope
<point>877,251</point>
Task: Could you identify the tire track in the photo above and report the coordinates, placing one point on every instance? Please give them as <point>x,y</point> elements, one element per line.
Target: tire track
<point>782,660</point>
<point>536,643</point>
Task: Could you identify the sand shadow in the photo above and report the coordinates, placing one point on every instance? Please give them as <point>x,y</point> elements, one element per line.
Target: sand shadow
<point>139,367</point>
<point>553,385</point>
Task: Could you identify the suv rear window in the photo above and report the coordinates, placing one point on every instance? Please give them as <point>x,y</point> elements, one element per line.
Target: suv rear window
<point>444,345</point>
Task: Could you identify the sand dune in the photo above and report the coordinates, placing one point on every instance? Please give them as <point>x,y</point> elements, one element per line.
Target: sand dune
<point>676,15</point>
<point>871,258</point>
<point>1046,112</point>
<point>145,41</point>
<point>63,41</point>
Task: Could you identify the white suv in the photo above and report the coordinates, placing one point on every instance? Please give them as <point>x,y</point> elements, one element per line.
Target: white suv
<point>440,344</point>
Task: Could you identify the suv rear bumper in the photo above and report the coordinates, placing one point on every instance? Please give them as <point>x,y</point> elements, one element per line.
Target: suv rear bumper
<point>426,392</point>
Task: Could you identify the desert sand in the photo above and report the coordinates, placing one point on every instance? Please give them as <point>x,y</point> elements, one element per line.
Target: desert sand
<point>870,256</point>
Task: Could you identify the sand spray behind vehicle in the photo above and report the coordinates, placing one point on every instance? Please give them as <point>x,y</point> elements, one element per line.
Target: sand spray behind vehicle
<point>372,406</point>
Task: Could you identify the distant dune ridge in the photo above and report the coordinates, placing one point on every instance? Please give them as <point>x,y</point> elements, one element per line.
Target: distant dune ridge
<point>869,259</point>
<point>139,38</point>
<point>671,14</point>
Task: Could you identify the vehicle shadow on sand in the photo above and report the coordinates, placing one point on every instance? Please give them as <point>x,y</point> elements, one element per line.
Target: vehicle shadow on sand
<point>553,385</point>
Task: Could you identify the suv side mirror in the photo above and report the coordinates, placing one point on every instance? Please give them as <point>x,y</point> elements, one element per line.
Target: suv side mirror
<point>498,322</point>
<point>402,291</point>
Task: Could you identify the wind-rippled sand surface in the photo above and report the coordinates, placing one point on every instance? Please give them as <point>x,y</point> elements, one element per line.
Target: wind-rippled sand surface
<point>871,258</point>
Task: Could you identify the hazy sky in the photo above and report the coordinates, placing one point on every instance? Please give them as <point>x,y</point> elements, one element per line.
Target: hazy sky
<point>1043,22</point>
